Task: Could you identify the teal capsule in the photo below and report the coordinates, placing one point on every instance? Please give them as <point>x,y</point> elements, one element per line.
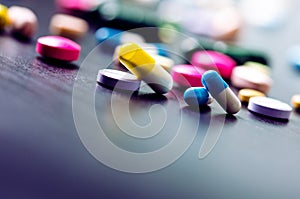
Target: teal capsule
<point>197,96</point>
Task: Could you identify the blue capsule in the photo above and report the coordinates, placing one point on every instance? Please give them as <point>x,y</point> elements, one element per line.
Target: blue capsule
<point>197,96</point>
<point>221,92</point>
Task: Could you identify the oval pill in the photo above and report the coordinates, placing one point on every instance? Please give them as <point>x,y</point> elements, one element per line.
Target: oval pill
<point>197,96</point>
<point>57,47</point>
<point>296,101</point>
<point>68,26</point>
<point>144,67</point>
<point>212,60</point>
<point>116,79</point>
<point>260,67</point>
<point>187,75</point>
<point>247,77</point>
<point>4,19</point>
<point>221,92</point>
<point>245,94</point>
<point>23,21</point>
<point>269,107</point>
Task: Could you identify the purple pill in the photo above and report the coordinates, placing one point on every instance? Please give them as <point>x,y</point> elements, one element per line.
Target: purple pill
<point>270,107</point>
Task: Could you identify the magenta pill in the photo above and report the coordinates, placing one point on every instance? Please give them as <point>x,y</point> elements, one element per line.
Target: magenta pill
<point>187,75</point>
<point>57,47</point>
<point>212,60</point>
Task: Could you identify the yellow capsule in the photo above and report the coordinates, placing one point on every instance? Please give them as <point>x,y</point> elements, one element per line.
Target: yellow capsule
<point>145,68</point>
<point>4,19</point>
<point>296,101</point>
<point>245,94</point>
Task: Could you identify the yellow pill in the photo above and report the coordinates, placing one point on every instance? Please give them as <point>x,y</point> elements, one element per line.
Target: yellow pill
<point>259,67</point>
<point>296,101</point>
<point>145,68</point>
<point>245,94</point>
<point>4,19</point>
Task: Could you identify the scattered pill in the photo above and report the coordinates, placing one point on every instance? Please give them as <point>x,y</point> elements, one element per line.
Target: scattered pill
<point>142,65</point>
<point>296,101</point>
<point>117,37</point>
<point>4,19</point>
<point>78,5</point>
<point>269,107</point>
<point>258,66</point>
<point>57,47</point>
<point>212,60</point>
<point>165,62</point>
<point>23,21</point>
<point>294,56</point>
<point>245,94</point>
<point>247,77</point>
<point>68,26</point>
<point>116,79</point>
<point>221,92</point>
<point>187,75</point>
<point>197,96</point>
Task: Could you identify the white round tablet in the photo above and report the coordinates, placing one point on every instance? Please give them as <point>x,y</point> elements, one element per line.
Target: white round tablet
<point>115,79</point>
<point>270,107</point>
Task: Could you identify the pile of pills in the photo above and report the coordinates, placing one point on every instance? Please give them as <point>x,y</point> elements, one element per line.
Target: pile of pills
<point>207,74</point>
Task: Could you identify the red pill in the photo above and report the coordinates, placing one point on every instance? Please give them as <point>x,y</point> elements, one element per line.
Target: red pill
<point>57,47</point>
<point>187,75</point>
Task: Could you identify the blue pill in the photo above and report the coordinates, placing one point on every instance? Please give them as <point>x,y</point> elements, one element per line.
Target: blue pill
<point>196,96</point>
<point>117,37</point>
<point>294,56</point>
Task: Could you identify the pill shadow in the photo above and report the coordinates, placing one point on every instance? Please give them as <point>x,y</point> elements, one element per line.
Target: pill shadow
<point>58,63</point>
<point>267,119</point>
<point>198,109</point>
<point>21,38</point>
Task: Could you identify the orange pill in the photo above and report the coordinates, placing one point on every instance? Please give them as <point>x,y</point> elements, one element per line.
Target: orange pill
<point>68,26</point>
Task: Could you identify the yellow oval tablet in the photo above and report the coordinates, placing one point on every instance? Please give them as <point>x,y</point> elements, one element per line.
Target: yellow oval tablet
<point>245,94</point>
<point>296,101</point>
<point>4,19</point>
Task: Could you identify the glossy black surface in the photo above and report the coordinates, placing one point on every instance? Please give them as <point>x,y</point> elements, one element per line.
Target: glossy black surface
<point>41,155</point>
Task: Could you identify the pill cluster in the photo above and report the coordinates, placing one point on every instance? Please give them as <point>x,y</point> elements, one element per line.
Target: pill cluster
<point>210,68</point>
<point>20,21</point>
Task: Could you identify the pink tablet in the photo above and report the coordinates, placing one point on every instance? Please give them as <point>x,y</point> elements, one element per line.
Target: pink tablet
<point>187,75</point>
<point>57,47</point>
<point>212,60</point>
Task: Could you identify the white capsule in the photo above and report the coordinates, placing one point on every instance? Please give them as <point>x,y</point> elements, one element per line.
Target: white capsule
<point>221,92</point>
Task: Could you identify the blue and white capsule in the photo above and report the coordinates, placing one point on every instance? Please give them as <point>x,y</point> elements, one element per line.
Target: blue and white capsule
<point>221,92</point>
<point>117,37</point>
<point>197,96</point>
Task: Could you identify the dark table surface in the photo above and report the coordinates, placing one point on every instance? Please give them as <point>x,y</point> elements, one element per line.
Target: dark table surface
<point>43,156</point>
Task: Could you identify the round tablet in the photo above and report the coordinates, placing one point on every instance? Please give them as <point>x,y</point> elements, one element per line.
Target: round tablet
<point>68,26</point>
<point>270,107</point>
<point>116,79</point>
<point>57,47</point>
<point>296,101</point>
<point>248,77</point>
<point>245,94</point>
<point>187,75</point>
<point>212,60</point>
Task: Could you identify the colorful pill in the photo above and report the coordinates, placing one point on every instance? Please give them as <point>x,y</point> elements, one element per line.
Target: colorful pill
<point>245,94</point>
<point>115,79</point>
<point>23,21</point>
<point>269,107</point>
<point>197,96</point>
<point>247,77</point>
<point>117,37</point>
<point>4,19</point>
<point>78,5</point>
<point>57,47</point>
<point>296,101</point>
<point>258,66</point>
<point>68,26</point>
<point>212,60</point>
<point>144,67</point>
<point>187,75</point>
<point>220,90</point>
